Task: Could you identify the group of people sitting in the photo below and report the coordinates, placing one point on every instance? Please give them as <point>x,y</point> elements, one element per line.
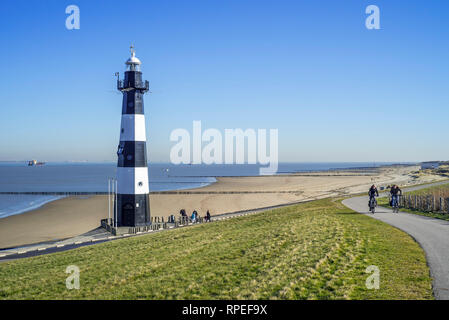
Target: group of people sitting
<point>195,216</point>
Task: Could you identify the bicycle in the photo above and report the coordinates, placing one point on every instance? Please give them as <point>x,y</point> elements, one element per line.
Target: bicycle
<point>395,204</point>
<point>372,204</point>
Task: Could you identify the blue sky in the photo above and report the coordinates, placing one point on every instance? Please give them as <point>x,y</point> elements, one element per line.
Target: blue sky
<point>335,90</point>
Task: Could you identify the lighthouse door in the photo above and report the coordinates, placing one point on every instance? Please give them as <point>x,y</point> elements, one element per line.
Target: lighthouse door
<point>128,214</point>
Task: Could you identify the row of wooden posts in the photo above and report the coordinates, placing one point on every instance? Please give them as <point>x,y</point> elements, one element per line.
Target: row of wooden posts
<point>182,220</point>
<point>425,203</point>
<point>157,223</point>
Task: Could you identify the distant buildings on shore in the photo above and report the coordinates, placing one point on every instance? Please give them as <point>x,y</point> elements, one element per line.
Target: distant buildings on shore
<point>430,165</point>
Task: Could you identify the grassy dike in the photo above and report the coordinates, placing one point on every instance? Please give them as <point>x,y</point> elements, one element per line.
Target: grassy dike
<point>315,250</point>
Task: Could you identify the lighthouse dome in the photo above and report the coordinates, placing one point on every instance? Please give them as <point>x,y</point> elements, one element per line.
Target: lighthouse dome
<point>133,60</point>
<point>133,63</point>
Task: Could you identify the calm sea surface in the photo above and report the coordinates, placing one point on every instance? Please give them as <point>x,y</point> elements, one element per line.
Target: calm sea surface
<point>93,177</point>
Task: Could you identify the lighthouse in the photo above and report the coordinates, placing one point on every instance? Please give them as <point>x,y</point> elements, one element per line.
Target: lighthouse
<point>133,203</point>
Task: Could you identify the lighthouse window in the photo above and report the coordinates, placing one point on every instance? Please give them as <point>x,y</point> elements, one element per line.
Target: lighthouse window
<point>140,183</point>
<point>123,130</point>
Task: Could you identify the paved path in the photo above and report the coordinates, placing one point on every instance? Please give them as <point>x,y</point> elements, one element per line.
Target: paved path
<point>431,234</point>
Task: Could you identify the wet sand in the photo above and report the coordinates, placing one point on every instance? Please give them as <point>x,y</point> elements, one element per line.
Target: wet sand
<point>72,216</point>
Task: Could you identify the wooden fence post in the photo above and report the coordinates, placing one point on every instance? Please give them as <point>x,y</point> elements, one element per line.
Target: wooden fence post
<point>447,205</point>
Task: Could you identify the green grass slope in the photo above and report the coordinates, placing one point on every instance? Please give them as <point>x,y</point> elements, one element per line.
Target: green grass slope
<point>316,250</point>
<point>438,191</point>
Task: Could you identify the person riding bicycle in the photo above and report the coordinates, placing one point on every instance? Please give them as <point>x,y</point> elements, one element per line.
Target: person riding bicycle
<point>395,192</point>
<point>372,194</point>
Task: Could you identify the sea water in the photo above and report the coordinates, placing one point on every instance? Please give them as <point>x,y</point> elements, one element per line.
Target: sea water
<point>93,177</point>
<point>16,204</point>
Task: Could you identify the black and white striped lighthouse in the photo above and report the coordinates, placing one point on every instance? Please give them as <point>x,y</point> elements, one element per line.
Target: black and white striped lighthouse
<point>133,203</point>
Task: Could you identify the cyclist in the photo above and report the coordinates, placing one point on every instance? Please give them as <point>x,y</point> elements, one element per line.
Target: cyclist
<point>372,194</point>
<point>395,192</point>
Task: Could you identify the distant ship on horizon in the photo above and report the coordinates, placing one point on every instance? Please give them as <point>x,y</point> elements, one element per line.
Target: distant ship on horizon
<point>35,163</point>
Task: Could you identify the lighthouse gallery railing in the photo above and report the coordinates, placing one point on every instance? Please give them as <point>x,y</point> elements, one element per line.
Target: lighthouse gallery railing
<point>140,85</point>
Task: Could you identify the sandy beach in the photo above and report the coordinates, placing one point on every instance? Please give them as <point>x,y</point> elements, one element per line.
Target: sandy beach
<point>73,216</point>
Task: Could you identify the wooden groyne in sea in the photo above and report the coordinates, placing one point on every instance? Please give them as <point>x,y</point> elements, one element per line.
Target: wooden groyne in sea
<point>89,193</point>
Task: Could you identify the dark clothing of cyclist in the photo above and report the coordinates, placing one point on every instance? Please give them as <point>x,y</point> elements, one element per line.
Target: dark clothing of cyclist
<point>372,192</point>
<point>395,190</point>
<point>372,195</point>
